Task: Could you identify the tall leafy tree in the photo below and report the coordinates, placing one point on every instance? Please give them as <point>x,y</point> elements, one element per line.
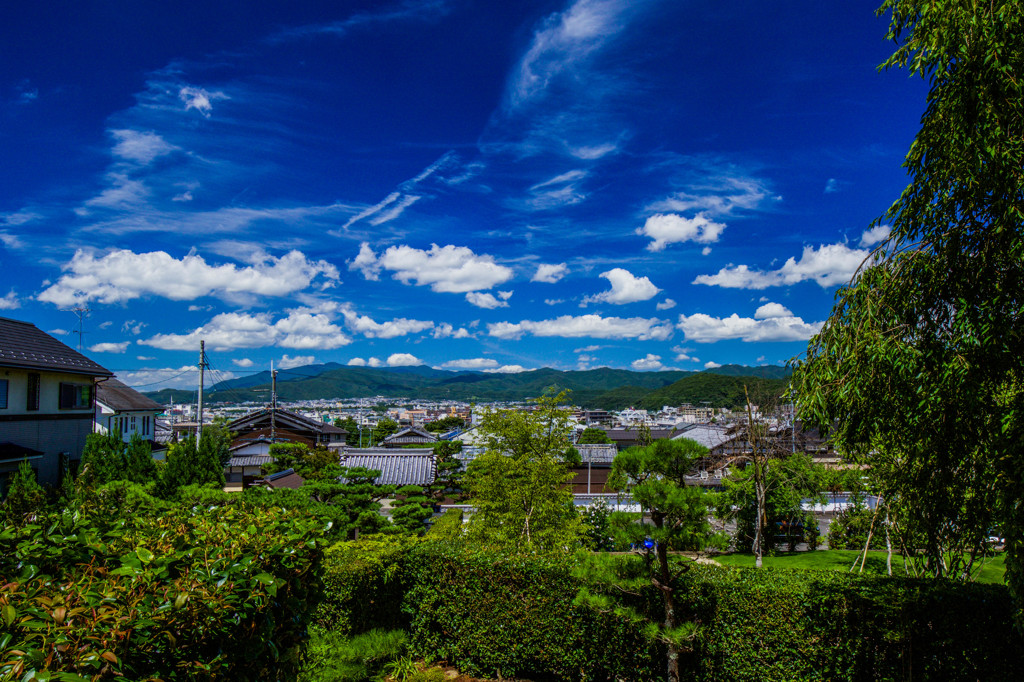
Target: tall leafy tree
<point>921,365</point>
<point>594,435</point>
<point>518,486</point>
<point>191,464</point>
<point>25,495</point>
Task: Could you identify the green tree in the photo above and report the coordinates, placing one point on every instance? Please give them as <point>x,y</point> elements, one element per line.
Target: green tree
<point>190,464</point>
<point>410,510</point>
<point>920,367</point>
<point>594,435</point>
<point>654,477</point>
<point>351,427</point>
<point>106,458</point>
<point>519,484</point>
<point>384,428</point>
<point>24,496</point>
<point>445,424</point>
<point>449,473</point>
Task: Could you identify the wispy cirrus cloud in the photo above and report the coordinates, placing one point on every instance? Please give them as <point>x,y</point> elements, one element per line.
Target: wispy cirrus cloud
<point>428,10</point>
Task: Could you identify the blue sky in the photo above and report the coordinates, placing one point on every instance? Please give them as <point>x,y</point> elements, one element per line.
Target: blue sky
<point>479,185</point>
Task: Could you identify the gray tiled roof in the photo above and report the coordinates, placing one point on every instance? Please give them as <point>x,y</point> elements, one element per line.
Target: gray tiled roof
<point>396,467</point>
<point>250,460</point>
<point>708,435</point>
<point>122,398</point>
<point>22,344</point>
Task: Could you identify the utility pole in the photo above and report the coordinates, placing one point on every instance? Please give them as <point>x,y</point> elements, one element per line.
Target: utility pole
<point>273,403</point>
<point>202,376</point>
<point>82,312</point>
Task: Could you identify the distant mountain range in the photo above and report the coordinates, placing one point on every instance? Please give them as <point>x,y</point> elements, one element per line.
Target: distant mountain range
<point>603,388</point>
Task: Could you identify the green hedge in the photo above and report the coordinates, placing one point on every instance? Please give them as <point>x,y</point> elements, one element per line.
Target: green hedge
<point>191,593</point>
<point>826,625</point>
<point>495,615</point>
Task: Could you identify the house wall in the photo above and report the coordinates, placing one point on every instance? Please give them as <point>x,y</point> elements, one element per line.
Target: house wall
<point>49,429</point>
<point>133,422</point>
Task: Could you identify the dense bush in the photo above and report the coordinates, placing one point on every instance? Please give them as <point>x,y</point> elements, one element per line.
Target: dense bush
<point>187,593</point>
<point>849,529</point>
<point>824,625</point>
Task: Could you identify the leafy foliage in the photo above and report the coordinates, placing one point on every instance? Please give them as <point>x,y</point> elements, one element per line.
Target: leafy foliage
<point>593,435</point>
<point>445,424</point>
<point>107,457</point>
<point>188,465</point>
<point>518,485</point>
<point>921,364</point>
<point>25,496</point>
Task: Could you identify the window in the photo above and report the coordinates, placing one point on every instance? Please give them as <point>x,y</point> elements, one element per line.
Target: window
<point>32,403</point>
<point>145,426</point>
<point>75,396</point>
<point>133,423</point>
<point>3,394</point>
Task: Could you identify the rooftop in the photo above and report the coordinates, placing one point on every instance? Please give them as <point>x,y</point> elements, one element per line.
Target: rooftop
<point>24,345</point>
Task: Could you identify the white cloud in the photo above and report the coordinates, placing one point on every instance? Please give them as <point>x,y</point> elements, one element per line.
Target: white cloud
<point>123,275</point>
<point>288,362</point>
<point>507,369</point>
<point>301,329</point>
<point>831,186</point>
<point>144,358</point>
<point>119,347</point>
<point>471,363</point>
<point>828,265</point>
<point>383,330</point>
<point>9,301</point>
<point>184,196</point>
<point>445,331</point>
<point>561,190</point>
<point>564,41</point>
<point>186,377</point>
<point>403,360</point>
<point>484,300</point>
<point>770,310</point>
<point>553,301</point>
<point>451,269</point>
<point>140,147</point>
<point>594,326</point>
<point>587,349</point>
<point>626,288</point>
<point>651,363</point>
<point>357,362</point>
<point>242,362</point>
<point>703,328</point>
<point>718,196</point>
<point>123,192</point>
<point>670,228</point>
<point>550,272</point>
<point>133,327</point>
<point>386,210</point>
<point>706,251</point>
<point>199,99</point>
<point>667,304</point>
<point>875,235</point>
<point>711,364</point>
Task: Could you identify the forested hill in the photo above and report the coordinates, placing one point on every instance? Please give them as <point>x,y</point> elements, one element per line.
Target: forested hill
<point>603,388</point>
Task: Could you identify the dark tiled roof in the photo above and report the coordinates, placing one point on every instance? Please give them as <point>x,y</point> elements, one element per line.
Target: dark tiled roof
<point>122,398</point>
<point>284,479</point>
<point>250,460</point>
<point>22,344</point>
<point>396,467</point>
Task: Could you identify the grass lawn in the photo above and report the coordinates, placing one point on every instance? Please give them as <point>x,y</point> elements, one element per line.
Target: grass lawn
<point>842,559</point>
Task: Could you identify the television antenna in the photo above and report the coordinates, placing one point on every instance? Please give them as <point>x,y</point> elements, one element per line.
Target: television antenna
<point>82,312</point>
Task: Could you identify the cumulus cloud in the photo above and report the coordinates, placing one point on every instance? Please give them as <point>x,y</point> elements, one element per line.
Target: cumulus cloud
<point>199,99</point>
<point>446,331</point>
<point>703,328</point>
<point>651,363</point>
<point>626,288</point>
<point>507,369</point>
<point>357,362</point>
<point>582,326</point>
<point>553,301</point>
<point>9,301</point>
<point>122,275</point>
<point>770,310</point>
<point>242,362</point>
<point>301,329</point>
<point>133,327</point>
<point>875,235</point>
<point>110,347</point>
<point>471,363</point>
<point>671,228</point>
<point>288,362</point>
<point>828,265</point>
<point>370,328</point>
<point>403,360</point>
<point>451,269</point>
<point>140,147</point>
<point>711,364</point>
<point>186,376</point>
<point>485,300</point>
<point>667,304</point>
<point>549,272</point>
